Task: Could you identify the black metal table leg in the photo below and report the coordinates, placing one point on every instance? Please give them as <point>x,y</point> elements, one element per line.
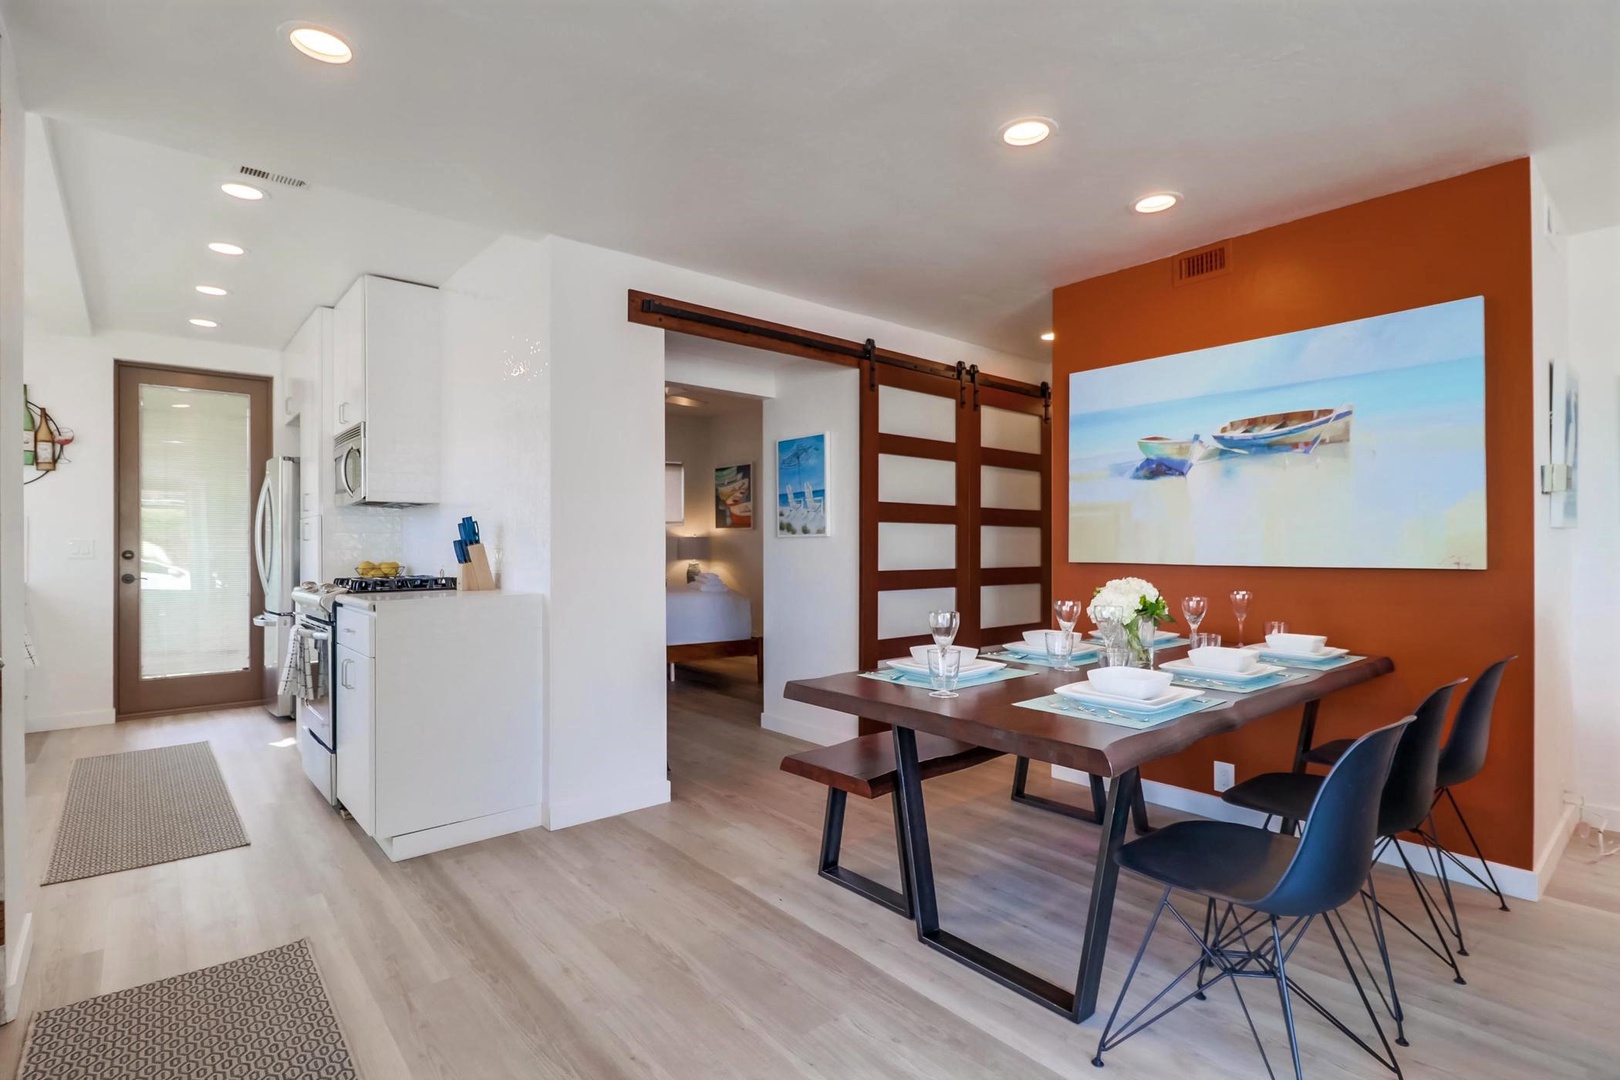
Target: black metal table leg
<point>1078,1004</point>
<point>1121,794</point>
<point>1020,794</point>
<point>1307,739</point>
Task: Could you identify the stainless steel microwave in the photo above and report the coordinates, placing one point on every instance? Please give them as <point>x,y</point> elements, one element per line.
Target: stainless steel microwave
<point>349,466</point>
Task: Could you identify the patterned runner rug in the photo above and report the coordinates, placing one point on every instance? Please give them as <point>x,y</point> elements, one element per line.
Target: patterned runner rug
<point>262,1016</point>
<point>143,807</point>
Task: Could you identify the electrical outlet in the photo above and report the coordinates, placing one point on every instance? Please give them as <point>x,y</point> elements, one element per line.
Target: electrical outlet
<point>1225,775</point>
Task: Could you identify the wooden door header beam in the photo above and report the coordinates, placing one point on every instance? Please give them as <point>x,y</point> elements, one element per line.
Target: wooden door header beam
<point>649,309</point>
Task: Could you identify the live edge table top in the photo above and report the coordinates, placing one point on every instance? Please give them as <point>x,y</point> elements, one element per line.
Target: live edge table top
<point>988,715</point>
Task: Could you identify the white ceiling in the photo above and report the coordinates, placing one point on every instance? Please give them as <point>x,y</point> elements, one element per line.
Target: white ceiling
<point>845,151</point>
<point>141,218</point>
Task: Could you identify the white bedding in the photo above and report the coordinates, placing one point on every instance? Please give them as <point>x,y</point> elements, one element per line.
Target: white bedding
<point>692,617</point>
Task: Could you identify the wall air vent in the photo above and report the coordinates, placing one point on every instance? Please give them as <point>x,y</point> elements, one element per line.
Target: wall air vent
<point>1208,262</point>
<point>274,178</point>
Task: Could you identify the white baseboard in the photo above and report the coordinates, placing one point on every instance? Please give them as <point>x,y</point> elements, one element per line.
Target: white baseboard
<point>561,815</point>
<point>824,730</point>
<point>1547,859</point>
<point>441,837</point>
<point>87,718</point>
<point>17,953</point>
<point>1514,881</point>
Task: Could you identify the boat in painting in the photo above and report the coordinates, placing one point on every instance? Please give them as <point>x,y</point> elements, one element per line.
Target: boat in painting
<point>1173,456</point>
<point>1301,431</point>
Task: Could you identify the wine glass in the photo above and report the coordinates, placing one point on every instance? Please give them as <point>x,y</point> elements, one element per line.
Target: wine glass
<point>1068,613</point>
<point>1240,608</point>
<point>1193,609</point>
<point>1110,620</point>
<point>943,625</point>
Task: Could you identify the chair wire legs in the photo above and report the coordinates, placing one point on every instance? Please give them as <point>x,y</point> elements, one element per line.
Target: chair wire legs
<point>1440,855</point>
<point>1431,908</point>
<point>1236,946</point>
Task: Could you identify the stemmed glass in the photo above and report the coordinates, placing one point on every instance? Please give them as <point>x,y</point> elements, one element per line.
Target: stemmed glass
<point>1193,609</point>
<point>943,625</point>
<point>1240,608</point>
<point>1110,621</point>
<point>1068,613</point>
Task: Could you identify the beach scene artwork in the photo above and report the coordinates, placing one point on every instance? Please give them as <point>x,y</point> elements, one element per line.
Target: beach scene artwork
<point>1360,444</point>
<point>734,497</point>
<point>801,486</point>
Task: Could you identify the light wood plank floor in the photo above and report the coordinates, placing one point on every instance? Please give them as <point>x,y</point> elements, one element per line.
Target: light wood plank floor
<point>693,940</point>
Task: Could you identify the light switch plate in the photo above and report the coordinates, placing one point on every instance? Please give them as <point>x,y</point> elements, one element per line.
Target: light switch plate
<point>81,549</point>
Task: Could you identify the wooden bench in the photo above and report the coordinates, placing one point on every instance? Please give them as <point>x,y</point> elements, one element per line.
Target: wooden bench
<point>865,767</point>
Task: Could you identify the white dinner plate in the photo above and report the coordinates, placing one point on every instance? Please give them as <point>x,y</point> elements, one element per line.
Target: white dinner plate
<point>1084,691</point>
<point>1024,648</point>
<point>1187,667</point>
<point>1328,652</point>
<point>976,669</point>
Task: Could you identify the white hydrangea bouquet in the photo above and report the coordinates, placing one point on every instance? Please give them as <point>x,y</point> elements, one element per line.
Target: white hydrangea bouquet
<point>1133,605</point>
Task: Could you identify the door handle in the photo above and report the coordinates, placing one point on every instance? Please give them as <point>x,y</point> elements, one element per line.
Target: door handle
<point>343,675</point>
<point>128,579</point>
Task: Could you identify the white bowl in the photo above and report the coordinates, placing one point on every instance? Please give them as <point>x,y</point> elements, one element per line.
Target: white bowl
<point>1302,644</point>
<point>1130,682</point>
<point>1217,658</point>
<point>920,653</point>
<point>1037,638</point>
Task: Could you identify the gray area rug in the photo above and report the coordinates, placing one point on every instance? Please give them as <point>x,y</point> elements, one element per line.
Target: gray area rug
<point>143,807</point>
<point>265,1015</point>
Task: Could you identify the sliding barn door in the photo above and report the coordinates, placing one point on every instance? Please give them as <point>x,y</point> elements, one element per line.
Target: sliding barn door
<point>955,508</point>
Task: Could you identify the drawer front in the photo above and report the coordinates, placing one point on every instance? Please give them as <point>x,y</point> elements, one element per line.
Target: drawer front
<point>355,630</point>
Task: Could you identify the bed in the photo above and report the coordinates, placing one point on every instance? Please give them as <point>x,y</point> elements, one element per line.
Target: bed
<point>709,625</point>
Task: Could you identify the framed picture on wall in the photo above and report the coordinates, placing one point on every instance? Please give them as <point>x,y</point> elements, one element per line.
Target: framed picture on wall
<point>801,486</point>
<point>734,496</point>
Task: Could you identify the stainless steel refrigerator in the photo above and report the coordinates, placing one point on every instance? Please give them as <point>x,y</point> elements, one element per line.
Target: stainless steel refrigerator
<point>275,553</point>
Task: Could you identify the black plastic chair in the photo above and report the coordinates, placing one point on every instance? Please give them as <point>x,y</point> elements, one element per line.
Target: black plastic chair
<point>1461,759</point>
<point>1407,800</point>
<point>1284,882</point>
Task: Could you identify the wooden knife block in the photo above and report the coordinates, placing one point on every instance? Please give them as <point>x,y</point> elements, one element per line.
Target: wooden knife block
<point>474,575</point>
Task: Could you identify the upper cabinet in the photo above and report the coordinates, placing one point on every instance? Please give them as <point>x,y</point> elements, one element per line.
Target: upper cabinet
<point>386,375</point>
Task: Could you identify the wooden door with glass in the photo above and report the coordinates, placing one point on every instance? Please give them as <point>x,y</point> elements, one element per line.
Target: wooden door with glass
<point>192,447</point>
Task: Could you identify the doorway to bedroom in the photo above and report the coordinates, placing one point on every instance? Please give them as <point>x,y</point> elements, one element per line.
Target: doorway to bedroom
<point>714,549</point>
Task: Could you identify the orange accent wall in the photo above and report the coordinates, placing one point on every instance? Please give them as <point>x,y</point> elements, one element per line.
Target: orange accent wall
<point>1467,236</point>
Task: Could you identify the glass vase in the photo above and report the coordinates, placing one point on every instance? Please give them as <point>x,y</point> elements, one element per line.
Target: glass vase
<point>1141,635</point>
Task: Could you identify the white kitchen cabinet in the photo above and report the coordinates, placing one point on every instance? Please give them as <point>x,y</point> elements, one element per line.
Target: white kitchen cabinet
<point>387,375</point>
<point>309,548</point>
<point>354,698</point>
<point>438,699</point>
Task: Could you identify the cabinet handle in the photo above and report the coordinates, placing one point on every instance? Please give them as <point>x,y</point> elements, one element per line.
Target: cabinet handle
<point>343,412</point>
<point>343,675</point>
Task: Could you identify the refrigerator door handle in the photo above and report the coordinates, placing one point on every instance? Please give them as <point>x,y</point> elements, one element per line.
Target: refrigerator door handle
<point>261,556</point>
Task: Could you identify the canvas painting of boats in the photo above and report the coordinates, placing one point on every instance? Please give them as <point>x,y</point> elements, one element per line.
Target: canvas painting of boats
<point>1360,444</point>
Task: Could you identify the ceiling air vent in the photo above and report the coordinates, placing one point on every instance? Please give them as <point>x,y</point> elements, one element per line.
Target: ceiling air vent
<point>274,178</point>
<point>1212,261</point>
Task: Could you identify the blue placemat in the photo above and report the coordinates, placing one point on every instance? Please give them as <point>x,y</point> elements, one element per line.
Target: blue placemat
<point>1246,686</point>
<point>1079,660</point>
<point>1300,662</point>
<point>1062,706</point>
<point>905,678</point>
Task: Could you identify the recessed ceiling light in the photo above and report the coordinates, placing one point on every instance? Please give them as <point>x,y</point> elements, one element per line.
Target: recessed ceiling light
<point>684,402</point>
<point>322,45</point>
<point>222,248</point>
<point>211,290</point>
<point>179,405</point>
<point>1027,131</point>
<point>206,324</point>
<point>1157,203</point>
<point>242,191</point>
<point>1049,336</point>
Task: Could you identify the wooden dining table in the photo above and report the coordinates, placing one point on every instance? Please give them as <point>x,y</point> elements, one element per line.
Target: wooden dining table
<point>988,715</point>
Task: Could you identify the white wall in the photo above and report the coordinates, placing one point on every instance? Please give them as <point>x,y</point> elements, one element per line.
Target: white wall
<point>70,600</point>
<point>702,444</point>
<point>1594,347</point>
<point>1554,671</point>
<point>17,892</point>
<point>812,583</point>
